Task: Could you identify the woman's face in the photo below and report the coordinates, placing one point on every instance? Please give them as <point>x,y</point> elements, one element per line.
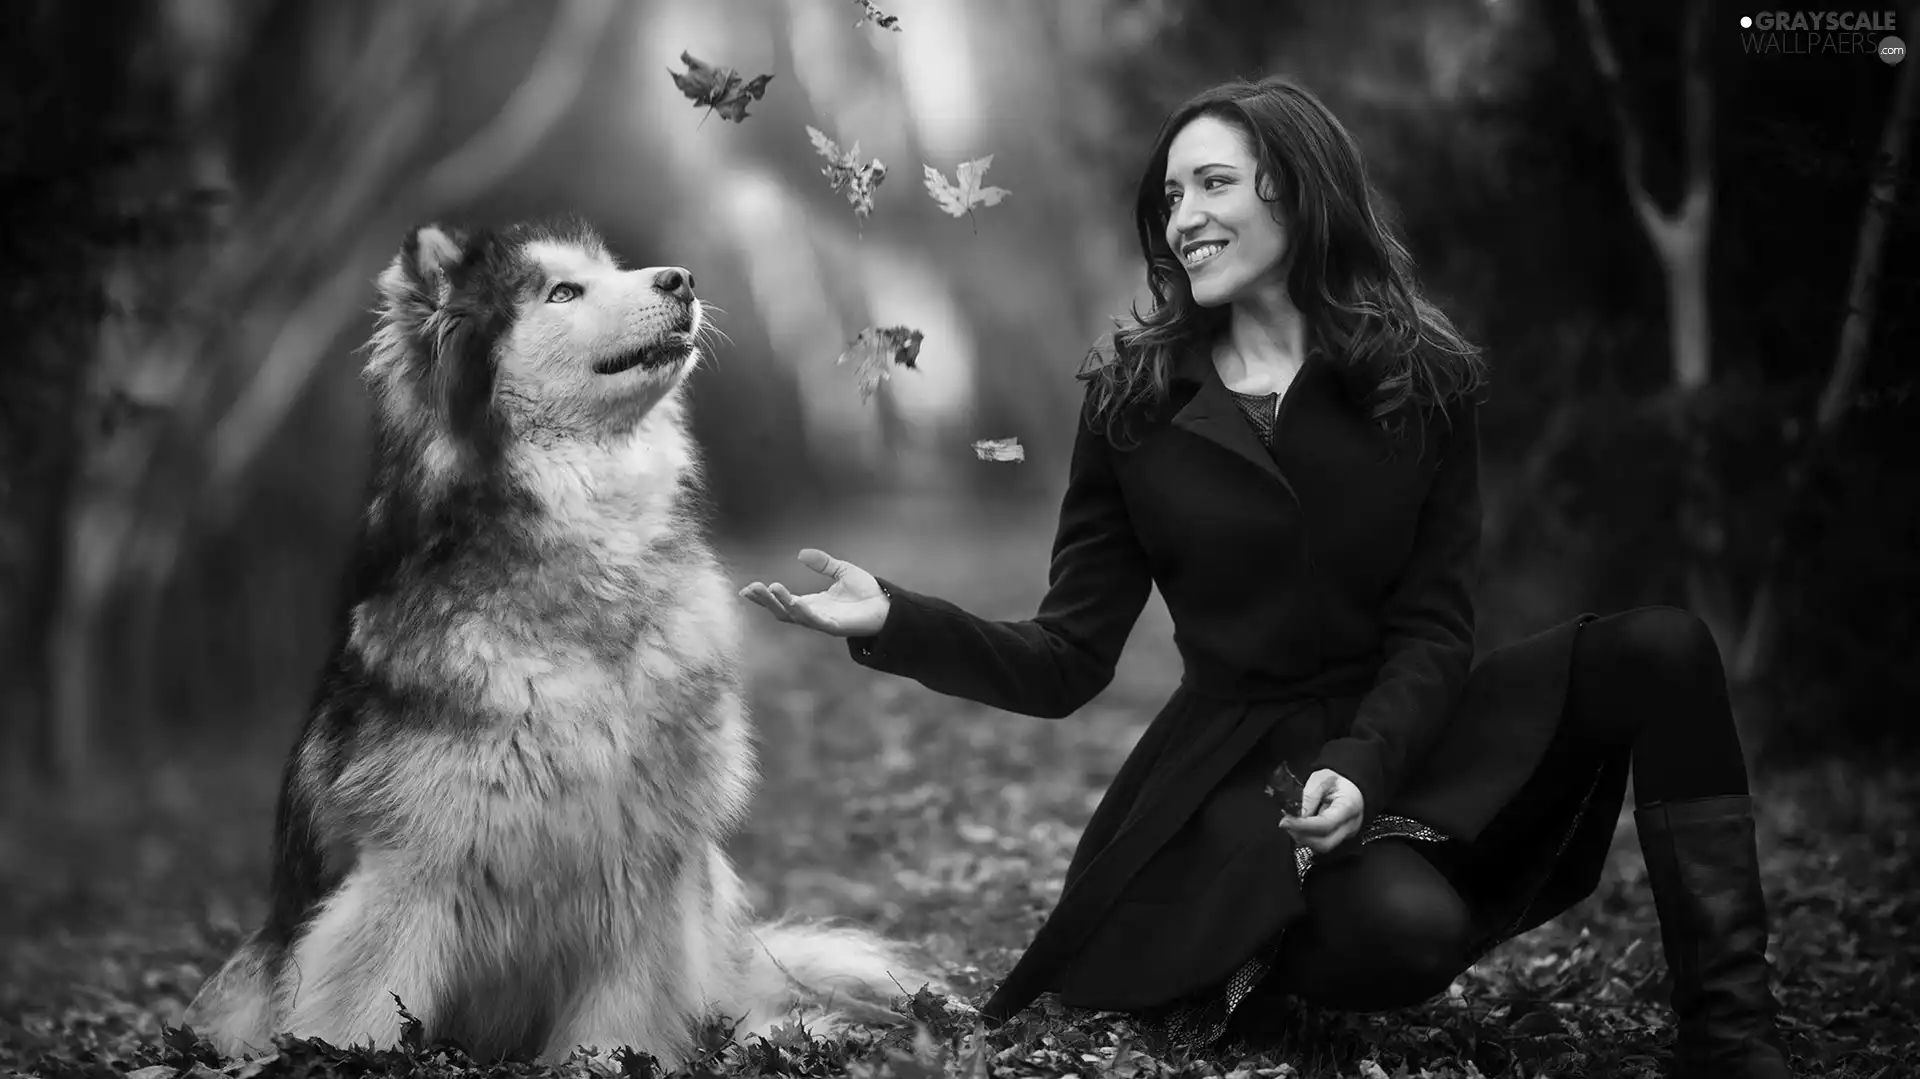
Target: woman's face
<point>1230,241</point>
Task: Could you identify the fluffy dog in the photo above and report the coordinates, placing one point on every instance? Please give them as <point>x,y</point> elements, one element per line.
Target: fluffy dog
<point>507,804</point>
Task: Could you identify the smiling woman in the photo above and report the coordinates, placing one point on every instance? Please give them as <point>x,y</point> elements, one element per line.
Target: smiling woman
<point>1319,564</point>
<point>1228,235</point>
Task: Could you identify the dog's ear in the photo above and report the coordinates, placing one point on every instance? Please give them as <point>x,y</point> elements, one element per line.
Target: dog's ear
<point>419,279</point>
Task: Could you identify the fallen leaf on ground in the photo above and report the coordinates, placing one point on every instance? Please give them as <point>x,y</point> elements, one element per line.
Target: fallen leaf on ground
<point>876,350</point>
<point>871,13</point>
<point>961,196</point>
<point>719,88</point>
<point>845,173</point>
<point>999,449</point>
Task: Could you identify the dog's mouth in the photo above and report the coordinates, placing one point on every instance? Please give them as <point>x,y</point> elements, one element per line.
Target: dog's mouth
<point>670,349</point>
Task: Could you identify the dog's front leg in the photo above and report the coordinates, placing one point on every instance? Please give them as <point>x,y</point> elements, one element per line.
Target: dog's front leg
<point>382,935</point>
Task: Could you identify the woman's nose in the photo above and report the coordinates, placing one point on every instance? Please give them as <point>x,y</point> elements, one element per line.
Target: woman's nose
<point>1181,222</point>
<point>674,281</point>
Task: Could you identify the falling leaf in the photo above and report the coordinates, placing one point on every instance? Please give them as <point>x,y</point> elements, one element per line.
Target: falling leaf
<point>876,350</point>
<point>719,88</point>
<point>965,193</point>
<point>871,13</point>
<point>844,172</point>
<point>1000,449</point>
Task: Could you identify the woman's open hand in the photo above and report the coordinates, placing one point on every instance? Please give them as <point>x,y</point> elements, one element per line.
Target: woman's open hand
<point>852,606</point>
<point>1331,809</point>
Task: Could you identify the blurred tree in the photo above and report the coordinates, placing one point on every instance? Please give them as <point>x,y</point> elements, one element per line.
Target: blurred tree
<point>231,317</point>
<point>70,119</point>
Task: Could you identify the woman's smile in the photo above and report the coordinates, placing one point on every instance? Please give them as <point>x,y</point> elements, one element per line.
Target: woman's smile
<point>1198,254</point>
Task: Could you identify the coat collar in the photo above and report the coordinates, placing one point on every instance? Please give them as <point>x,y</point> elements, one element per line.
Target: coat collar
<point>1213,414</point>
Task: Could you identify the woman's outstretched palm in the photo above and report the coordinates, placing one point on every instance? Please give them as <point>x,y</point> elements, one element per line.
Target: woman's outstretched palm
<point>852,606</point>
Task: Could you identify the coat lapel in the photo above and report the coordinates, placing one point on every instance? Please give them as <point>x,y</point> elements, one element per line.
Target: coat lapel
<point>1213,415</point>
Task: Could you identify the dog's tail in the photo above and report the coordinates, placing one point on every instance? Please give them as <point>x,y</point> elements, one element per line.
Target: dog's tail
<point>234,1010</point>
<point>827,976</point>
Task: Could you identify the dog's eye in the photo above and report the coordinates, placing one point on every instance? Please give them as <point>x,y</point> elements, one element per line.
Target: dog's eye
<point>564,293</point>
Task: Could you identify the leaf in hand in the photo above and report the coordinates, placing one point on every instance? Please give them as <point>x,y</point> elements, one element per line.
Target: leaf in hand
<point>876,350</point>
<point>1000,449</point>
<point>965,193</point>
<point>871,13</point>
<point>1287,788</point>
<point>845,173</point>
<point>719,88</point>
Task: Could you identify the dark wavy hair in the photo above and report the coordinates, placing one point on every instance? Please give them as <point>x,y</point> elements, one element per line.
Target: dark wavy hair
<point>1350,276</point>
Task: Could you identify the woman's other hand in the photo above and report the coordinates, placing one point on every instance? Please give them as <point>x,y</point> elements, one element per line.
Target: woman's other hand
<point>852,606</point>
<point>1331,809</point>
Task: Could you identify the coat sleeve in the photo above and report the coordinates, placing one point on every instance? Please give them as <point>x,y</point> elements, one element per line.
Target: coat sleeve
<point>1429,630</point>
<point>1056,661</point>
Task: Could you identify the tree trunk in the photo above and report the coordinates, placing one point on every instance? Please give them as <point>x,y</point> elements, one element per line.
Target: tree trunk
<point>1683,256</point>
<point>1850,355</point>
<point>70,99</point>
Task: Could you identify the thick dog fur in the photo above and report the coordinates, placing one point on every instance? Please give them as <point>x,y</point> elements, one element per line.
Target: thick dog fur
<point>507,804</point>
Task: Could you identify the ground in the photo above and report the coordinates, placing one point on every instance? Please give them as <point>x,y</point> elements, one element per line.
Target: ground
<point>951,824</point>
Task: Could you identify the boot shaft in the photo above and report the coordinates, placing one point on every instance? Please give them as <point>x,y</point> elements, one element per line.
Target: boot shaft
<point>1704,866</point>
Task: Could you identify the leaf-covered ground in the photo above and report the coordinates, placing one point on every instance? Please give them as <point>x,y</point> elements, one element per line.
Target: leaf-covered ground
<point>951,825</point>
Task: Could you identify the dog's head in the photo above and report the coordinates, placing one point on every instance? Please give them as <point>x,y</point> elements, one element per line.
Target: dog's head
<point>534,333</point>
<point>508,367</point>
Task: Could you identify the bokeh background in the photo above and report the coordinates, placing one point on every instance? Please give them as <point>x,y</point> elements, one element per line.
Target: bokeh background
<point>1704,369</point>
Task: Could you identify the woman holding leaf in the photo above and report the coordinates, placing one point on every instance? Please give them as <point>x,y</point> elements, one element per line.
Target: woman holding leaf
<point>1287,444</point>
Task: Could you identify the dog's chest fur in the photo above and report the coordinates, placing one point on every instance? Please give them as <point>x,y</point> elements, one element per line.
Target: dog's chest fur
<point>570,682</point>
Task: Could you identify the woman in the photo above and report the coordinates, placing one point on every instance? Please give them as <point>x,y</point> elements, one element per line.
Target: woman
<point>1287,445</point>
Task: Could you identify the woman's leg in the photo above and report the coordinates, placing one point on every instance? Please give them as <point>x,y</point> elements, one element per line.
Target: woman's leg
<point>1383,930</point>
<point>1654,674</point>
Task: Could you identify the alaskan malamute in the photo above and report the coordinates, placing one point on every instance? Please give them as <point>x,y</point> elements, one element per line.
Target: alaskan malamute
<point>507,804</point>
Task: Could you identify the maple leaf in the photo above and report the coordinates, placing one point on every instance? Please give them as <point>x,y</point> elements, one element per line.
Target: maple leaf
<point>845,173</point>
<point>1000,449</point>
<point>961,196</point>
<point>720,89</point>
<point>876,350</point>
<point>871,13</point>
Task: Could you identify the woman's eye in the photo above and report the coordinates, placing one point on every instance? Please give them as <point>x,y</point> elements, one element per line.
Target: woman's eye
<point>563,293</point>
<point>1211,180</point>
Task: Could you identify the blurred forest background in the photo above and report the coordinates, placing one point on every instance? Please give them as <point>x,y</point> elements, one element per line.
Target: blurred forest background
<point>1696,270</point>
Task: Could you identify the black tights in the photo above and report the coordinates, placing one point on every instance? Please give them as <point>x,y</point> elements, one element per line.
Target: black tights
<point>1384,927</point>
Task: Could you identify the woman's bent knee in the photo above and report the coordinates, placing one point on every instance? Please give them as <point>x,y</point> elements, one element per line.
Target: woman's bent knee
<point>1667,642</point>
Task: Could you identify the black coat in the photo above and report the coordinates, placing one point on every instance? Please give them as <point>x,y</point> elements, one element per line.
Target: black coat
<point>1321,596</point>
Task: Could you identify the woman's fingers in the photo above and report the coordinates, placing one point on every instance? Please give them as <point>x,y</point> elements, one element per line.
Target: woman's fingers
<point>758,594</point>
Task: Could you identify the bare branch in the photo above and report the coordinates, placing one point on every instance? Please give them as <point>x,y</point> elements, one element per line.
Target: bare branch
<point>1862,295</point>
<point>1632,146</point>
<point>1697,116</point>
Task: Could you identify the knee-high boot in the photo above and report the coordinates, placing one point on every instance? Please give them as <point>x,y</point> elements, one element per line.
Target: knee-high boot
<point>1705,871</point>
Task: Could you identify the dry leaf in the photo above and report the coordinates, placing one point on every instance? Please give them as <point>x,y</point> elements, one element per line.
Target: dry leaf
<point>965,193</point>
<point>845,173</point>
<point>1287,788</point>
<point>719,88</point>
<point>999,449</point>
<point>876,350</point>
<point>247,1069</point>
<point>871,13</point>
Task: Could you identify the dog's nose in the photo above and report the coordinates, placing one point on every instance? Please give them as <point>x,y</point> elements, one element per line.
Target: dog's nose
<point>676,281</point>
